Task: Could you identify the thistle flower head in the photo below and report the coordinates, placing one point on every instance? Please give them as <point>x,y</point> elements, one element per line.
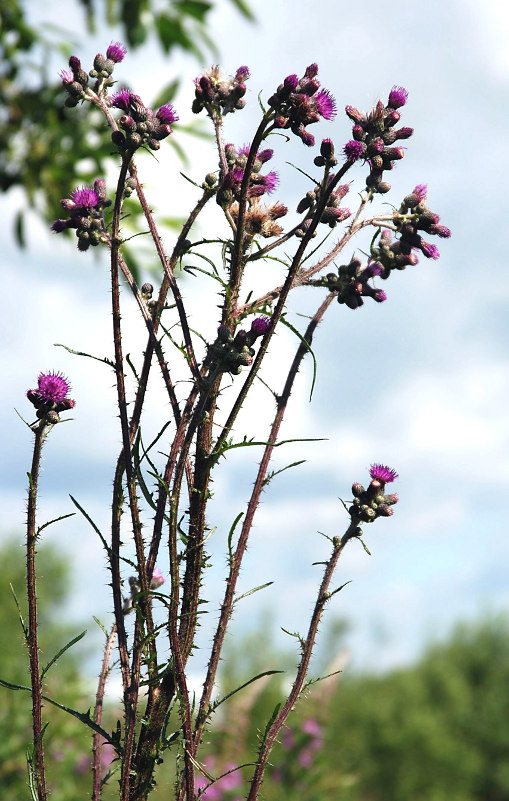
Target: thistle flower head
<point>85,198</point>
<point>166,114</point>
<point>397,97</point>
<point>380,472</point>
<point>51,394</point>
<point>116,52</point>
<point>354,150</point>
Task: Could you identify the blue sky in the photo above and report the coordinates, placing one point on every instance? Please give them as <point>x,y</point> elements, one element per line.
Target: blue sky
<point>420,382</point>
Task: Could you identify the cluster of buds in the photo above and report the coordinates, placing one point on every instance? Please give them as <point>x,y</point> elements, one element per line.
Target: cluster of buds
<point>260,218</point>
<point>50,397</point>
<point>230,354</point>
<point>374,136</point>
<point>86,214</point>
<point>413,216</point>
<point>332,213</point>
<point>370,503</point>
<point>352,283</point>
<point>299,102</point>
<point>140,125</point>
<point>232,181</point>
<point>75,82</point>
<point>219,94</point>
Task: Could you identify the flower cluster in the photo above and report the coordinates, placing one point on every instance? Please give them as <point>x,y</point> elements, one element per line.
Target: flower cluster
<point>50,397</point>
<point>332,214</point>
<point>75,82</point>
<point>232,181</point>
<point>86,214</point>
<point>352,283</point>
<point>260,218</point>
<point>370,503</point>
<point>413,216</point>
<point>140,125</point>
<point>299,102</point>
<point>231,354</point>
<point>219,94</point>
<point>373,137</point>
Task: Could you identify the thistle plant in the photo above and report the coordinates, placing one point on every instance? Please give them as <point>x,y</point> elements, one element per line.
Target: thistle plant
<point>162,502</point>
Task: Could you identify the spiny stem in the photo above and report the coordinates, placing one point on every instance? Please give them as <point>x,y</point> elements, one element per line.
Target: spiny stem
<point>41,432</point>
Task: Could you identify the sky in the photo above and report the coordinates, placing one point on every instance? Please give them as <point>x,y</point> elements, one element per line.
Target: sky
<point>419,382</point>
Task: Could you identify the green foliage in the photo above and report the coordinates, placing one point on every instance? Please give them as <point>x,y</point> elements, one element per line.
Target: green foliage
<point>67,742</point>
<point>432,732</point>
<point>44,145</point>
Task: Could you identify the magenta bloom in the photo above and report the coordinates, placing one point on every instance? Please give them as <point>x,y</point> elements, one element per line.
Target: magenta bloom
<point>116,52</point>
<point>354,150</point>
<point>51,393</point>
<point>66,77</point>
<point>260,325</point>
<point>397,97</point>
<point>121,99</point>
<point>380,472</point>
<point>85,198</point>
<point>157,578</point>
<point>167,114</point>
<point>325,104</point>
<point>429,250</point>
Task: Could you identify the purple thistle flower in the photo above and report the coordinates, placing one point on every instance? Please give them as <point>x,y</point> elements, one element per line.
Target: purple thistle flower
<point>66,77</point>
<point>166,114</point>
<point>269,181</point>
<point>291,82</point>
<point>325,104</point>
<point>440,230</point>
<point>260,325</point>
<point>429,250</point>
<point>242,73</point>
<point>354,150</point>
<point>380,472</point>
<point>397,97</point>
<point>121,99</point>
<point>52,390</point>
<point>116,52</point>
<point>379,295</point>
<point>59,226</point>
<point>420,191</point>
<point>264,155</point>
<point>85,198</point>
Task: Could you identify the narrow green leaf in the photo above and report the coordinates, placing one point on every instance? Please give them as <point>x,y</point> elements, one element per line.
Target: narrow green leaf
<point>231,533</point>
<point>105,360</point>
<point>62,651</point>
<point>87,517</point>
<point>364,546</point>
<point>21,620</point>
<point>252,591</point>
<point>271,720</point>
<point>246,684</point>
<point>55,520</point>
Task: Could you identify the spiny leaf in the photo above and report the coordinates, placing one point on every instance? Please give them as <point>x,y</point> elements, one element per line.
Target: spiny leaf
<point>105,360</point>
<point>87,517</point>
<point>275,473</point>
<point>55,520</point>
<point>246,684</point>
<point>252,591</point>
<point>62,651</point>
<point>21,620</point>
<point>231,533</point>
